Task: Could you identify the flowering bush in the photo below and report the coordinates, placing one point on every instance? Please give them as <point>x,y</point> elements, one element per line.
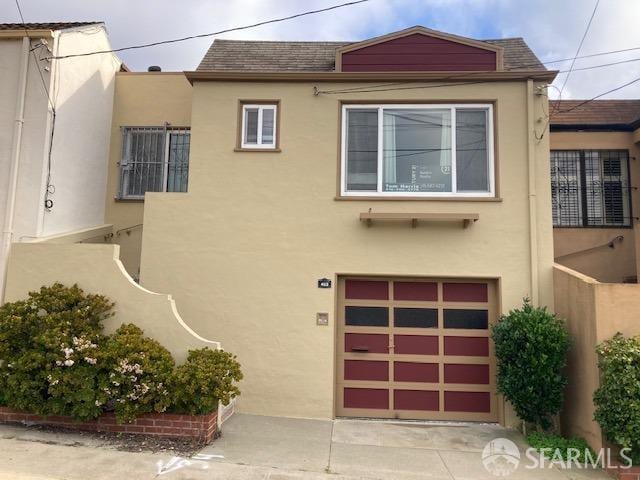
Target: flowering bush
<point>40,369</point>
<point>208,376</point>
<point>54,359</point>
<point>139,369</point>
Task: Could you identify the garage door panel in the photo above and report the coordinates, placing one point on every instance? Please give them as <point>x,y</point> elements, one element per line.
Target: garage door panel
<point>366,342</point>
<point>366,316</point>
<point>467,402</point>
<point>375,398</point>
<point>466,373</point>
<point>425,400</point>
<point>416,372</point>
<point>416,344</point>
<point>366,370</point>
<point>465,292</point>
<point>416,348</point>
<point>367,289</point>
<point>411,317</point>
<point>466,346</point>
<point>413,290</point>
<point>466,319</point>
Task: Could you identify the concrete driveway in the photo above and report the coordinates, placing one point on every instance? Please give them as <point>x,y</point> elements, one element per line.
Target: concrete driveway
<point>371,449</point>
<point>256,447</point>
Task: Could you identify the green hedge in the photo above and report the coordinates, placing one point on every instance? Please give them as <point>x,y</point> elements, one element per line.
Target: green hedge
<point>618,398</point>
<point>55,359</point>
<point>531,349</point>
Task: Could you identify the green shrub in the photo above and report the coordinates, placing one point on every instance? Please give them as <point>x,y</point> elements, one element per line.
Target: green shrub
<point>531,348</point>
<point>139,369</point>
<point>556,446</point>
<point>617,400</point>
<point>37,371</point>
<point>208,376</point>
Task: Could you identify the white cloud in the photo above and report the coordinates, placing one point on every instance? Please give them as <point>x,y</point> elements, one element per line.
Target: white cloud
<point>553,28</point>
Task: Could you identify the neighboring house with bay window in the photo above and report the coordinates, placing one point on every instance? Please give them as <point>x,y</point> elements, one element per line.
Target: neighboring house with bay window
<point>354,218</point>
<point>594,175</point>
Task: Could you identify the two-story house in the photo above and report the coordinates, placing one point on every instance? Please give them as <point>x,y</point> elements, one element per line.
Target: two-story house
<point>595,146</point>
<point>354,218</point>
<point>55,121</point>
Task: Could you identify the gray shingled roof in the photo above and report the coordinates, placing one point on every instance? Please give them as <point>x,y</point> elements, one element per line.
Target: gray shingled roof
<point>251,55</point>
<point>44,26</point>
<point>595,112</point>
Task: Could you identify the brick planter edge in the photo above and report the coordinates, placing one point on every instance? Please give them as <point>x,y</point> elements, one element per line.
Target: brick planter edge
<point>199,427</point>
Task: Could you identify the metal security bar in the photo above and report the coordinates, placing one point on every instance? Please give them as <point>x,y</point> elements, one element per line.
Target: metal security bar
<point>154,159</point>
<point>590,188</point>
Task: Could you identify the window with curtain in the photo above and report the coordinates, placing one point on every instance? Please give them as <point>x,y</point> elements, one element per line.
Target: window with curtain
<point>417,150</point>
<point>590,188</point>
<point>154,159</point>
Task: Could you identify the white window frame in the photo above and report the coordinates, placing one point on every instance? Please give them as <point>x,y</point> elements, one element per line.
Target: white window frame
<point>430,106</point>
<point>261,107</point>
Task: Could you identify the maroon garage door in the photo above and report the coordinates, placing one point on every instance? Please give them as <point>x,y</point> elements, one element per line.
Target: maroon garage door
<point>416,348</point>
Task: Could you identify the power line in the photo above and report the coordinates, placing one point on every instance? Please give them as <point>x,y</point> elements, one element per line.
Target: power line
<point>219,32</point>
<point>584,36</point>
<point>620,87</point>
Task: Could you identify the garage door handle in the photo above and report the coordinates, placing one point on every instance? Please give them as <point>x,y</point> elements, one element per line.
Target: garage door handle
<point>359,349</point>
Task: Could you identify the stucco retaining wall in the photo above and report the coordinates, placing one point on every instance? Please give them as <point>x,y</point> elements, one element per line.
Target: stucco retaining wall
<point>594,312</point>
<point>97,269</point>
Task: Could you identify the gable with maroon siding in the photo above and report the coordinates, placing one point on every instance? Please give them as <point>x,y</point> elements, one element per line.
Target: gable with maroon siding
<point>418,52</point>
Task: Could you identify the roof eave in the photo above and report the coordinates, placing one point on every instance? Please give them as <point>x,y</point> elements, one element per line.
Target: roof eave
<point>271,76</point>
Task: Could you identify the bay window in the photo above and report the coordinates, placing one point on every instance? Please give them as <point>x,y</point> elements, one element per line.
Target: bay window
<point>417,150</point>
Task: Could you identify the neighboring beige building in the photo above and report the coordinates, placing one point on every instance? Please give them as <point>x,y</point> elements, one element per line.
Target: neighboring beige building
<point>355,216</point>
<point>55,117</point>
<point>595,174</point>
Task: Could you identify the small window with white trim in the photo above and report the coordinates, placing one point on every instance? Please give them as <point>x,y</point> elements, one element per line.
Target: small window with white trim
<point>259,125</point>
<point>417,150</point>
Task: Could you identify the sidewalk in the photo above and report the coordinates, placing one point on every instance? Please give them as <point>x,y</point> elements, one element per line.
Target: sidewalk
<point>255,447</point>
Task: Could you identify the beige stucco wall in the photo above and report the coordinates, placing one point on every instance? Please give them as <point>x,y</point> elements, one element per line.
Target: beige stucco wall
<point>242,251</point>
<point>97,269</point>
<point>594,312</point>
<point>605,264</point>
<point>141,99</point>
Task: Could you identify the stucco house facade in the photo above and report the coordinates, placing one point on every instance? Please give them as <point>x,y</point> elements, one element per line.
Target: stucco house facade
<point>55,118</point>
<point>595,173</point>
<point>354,217</point>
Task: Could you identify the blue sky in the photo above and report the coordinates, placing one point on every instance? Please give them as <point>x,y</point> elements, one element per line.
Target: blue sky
<point>552,28</point>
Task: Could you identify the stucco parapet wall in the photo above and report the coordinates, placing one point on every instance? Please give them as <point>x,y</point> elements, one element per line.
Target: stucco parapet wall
<point>96,268</point>
<point>573,273</point>
<point>91,234</point>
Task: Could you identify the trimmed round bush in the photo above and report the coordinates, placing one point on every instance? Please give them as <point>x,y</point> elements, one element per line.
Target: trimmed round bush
<point>208,376</point>
<point>42,365</point>
<point>531,349</point>
<point>617,400</point>
<point>139,369</point>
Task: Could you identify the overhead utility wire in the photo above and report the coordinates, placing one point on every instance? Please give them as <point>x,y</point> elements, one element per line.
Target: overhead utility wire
<point>219,32</point>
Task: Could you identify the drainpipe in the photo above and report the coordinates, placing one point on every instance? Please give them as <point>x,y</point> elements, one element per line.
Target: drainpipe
<point>7,232</point>
<point>533,224</point>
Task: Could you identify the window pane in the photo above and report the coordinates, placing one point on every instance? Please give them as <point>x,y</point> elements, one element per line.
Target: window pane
<point>417,150</point>
<point>366,316</point>
<point>362,149</point>
<point>472,164</point>
<point>251,126</point>
<point>268,116</point>
<point>178,168</point>
<point>565,188</point>
<point>143,162</point>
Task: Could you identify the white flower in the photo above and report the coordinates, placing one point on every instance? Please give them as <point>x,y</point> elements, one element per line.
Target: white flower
<point>58,363</point>
<point>68,363</point>
<point>98,403</point>
<point>34,306</point>
<point>91,361</point>
<point>42,313</point>
<point>55,382</point>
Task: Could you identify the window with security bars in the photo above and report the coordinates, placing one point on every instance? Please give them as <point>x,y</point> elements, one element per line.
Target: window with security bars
<point>590,188</point>
<point>154,159</point>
